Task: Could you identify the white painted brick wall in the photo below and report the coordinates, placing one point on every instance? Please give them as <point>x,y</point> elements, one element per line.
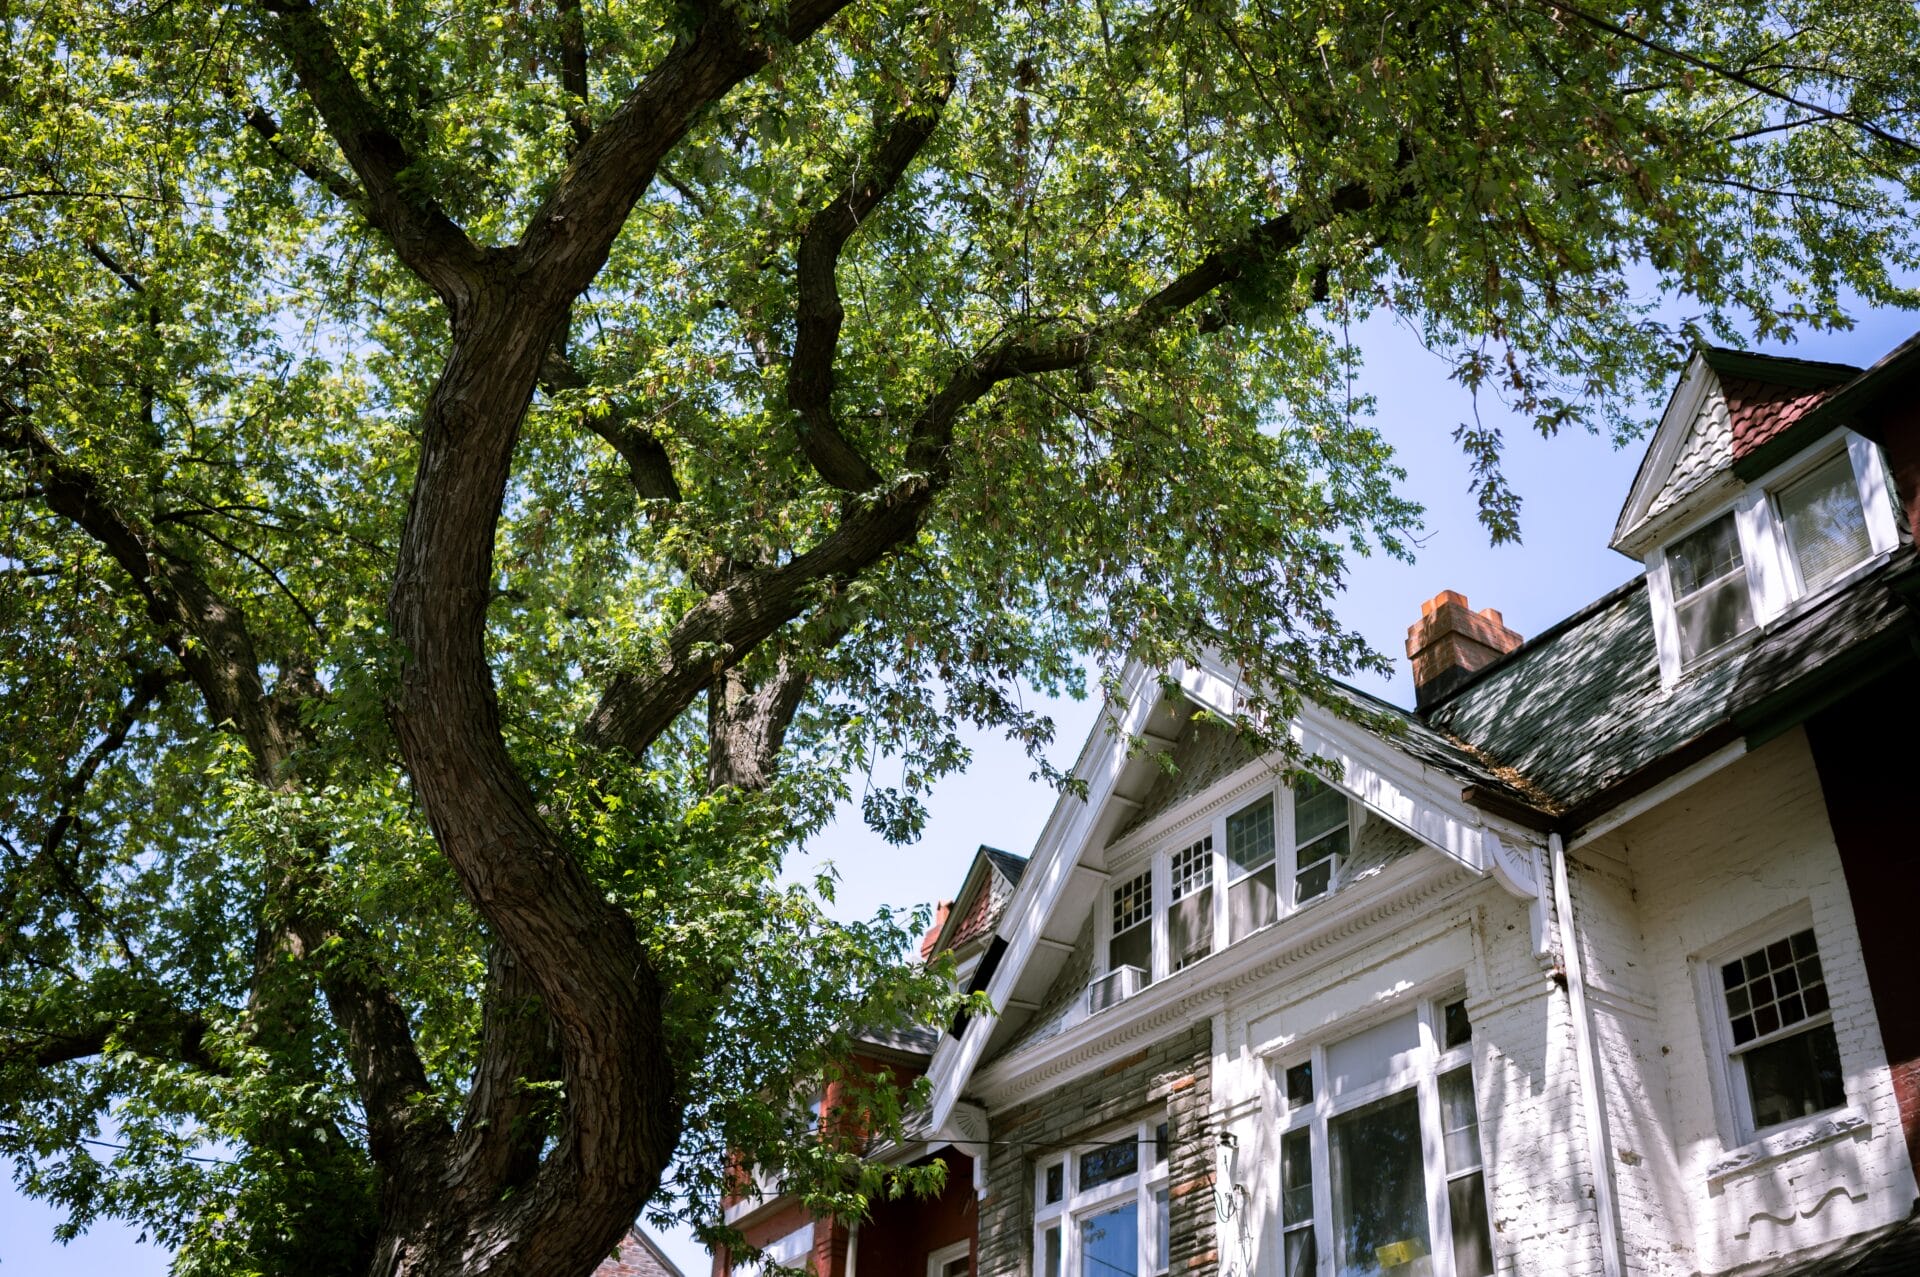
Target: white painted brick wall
<point>1732,851</point>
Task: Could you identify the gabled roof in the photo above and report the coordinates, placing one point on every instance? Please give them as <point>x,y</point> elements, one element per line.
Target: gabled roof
<point>638,1256</point>
<point>1412,778</point>
<point>983,896</point>
<point>1728,405</point>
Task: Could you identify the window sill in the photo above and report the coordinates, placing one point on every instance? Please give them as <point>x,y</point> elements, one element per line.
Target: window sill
<point>1805,603</point>
<point>1788,1142</point>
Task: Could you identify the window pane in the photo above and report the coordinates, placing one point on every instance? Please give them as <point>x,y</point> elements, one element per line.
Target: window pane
<point>1795,1077</point>
<point>1250,837</point>
<point>1132,949</point>
<point>1162,1230</point>
<point>1190,928</point>
<point>1300,1085</point>
<point>961,1267</point>
<point>1050,1253</point>
<point>1133,901</point>
<point>1296,1178</point>
<point>1458,1030</point>
<point>1314,868</point>
<point>1459,1126</point>
<point>1472,1239</point>
<point>1251,904</point>
<point>1373,1055</point>
<point>1825,528</point>
<point>1191,868</point>
<point>1773,988</point>
<point>1379,1191</point>
<point>1109,1162</point>
<point>1110,1243</point>
<point>1699,559</point>
<point>1709,582</point>
<point>1056,1183</point>
<point>1718,613</point>
<point>1317,808</point>
<point>1302,1258</point>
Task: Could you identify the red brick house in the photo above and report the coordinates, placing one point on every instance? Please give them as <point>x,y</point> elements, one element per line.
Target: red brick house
<point>910,1237</point>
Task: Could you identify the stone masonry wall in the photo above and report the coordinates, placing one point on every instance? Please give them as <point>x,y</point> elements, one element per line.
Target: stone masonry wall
<point>1170,1077</point>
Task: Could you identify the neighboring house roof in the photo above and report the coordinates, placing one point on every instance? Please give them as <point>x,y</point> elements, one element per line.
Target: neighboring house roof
<point>984,893</point>
<point>637,1256</point>
<point>915,1039</point>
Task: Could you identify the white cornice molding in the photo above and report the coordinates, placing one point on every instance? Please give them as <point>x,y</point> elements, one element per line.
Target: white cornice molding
<point>1408,886</point>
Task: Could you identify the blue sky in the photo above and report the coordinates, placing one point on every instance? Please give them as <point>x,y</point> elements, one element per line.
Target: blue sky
<point>1572,487</point>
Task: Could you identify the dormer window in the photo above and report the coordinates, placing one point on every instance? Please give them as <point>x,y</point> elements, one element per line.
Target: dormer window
<point>1710,597</point>
<point>1791,533</point>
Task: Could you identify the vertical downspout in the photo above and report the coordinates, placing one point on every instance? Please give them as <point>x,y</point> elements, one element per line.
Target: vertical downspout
<point>1599,1146</point>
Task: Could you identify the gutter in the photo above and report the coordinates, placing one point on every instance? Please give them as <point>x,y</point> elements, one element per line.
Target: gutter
<point>1599,1145</point>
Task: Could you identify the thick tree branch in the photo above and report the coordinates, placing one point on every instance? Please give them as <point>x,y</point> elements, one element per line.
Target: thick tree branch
<point>747,721</point>
<point>325,176</point>
<point>568,238</point>
<point>573,70</point>
<point>720,630</point>
<point>819,314</point>
<point>500,1137</point>
<point>173,1036</point>
<point>431,244</point>
<point>205,632</point>
<point>208,635</point>
<point>648,464</point>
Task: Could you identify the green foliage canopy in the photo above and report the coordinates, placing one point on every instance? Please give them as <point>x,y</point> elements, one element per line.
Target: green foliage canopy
<point>476,480</point>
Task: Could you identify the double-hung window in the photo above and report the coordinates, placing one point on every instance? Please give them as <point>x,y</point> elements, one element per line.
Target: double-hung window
<point>1380,1167</point>
<point>1825,527</point>
<point>1101,1209</point>
<point>1776,1028</point>
<point>1279,849</point>
<point>1711,600</point>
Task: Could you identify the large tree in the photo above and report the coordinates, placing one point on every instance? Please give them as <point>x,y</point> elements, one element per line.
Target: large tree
<point>478,477</point>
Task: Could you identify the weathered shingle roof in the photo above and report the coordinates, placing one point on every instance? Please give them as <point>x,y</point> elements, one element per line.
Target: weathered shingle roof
<point>1580,708</point>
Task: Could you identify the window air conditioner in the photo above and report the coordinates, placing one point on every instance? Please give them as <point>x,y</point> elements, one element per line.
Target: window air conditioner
<point>1115,987</point>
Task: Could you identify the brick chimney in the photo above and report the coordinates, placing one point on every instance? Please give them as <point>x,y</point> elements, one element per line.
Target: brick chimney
<point>933,933</point>
<point>1450,641</point>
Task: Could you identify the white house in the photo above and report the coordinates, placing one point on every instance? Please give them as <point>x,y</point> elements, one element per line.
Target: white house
<point>1593,964</point>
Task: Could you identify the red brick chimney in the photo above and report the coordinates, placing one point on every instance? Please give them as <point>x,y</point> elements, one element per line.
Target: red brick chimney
<point>933,933</point>
<point>1450,641</point>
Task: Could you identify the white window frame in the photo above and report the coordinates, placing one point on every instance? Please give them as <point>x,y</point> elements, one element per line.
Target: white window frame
<point>1158,860</point>
<point>1432,1060</point>
<point>1774,589</point>
<point>937,1262</point>
<point>1145,1185</point>
<point>1732,1104</point>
